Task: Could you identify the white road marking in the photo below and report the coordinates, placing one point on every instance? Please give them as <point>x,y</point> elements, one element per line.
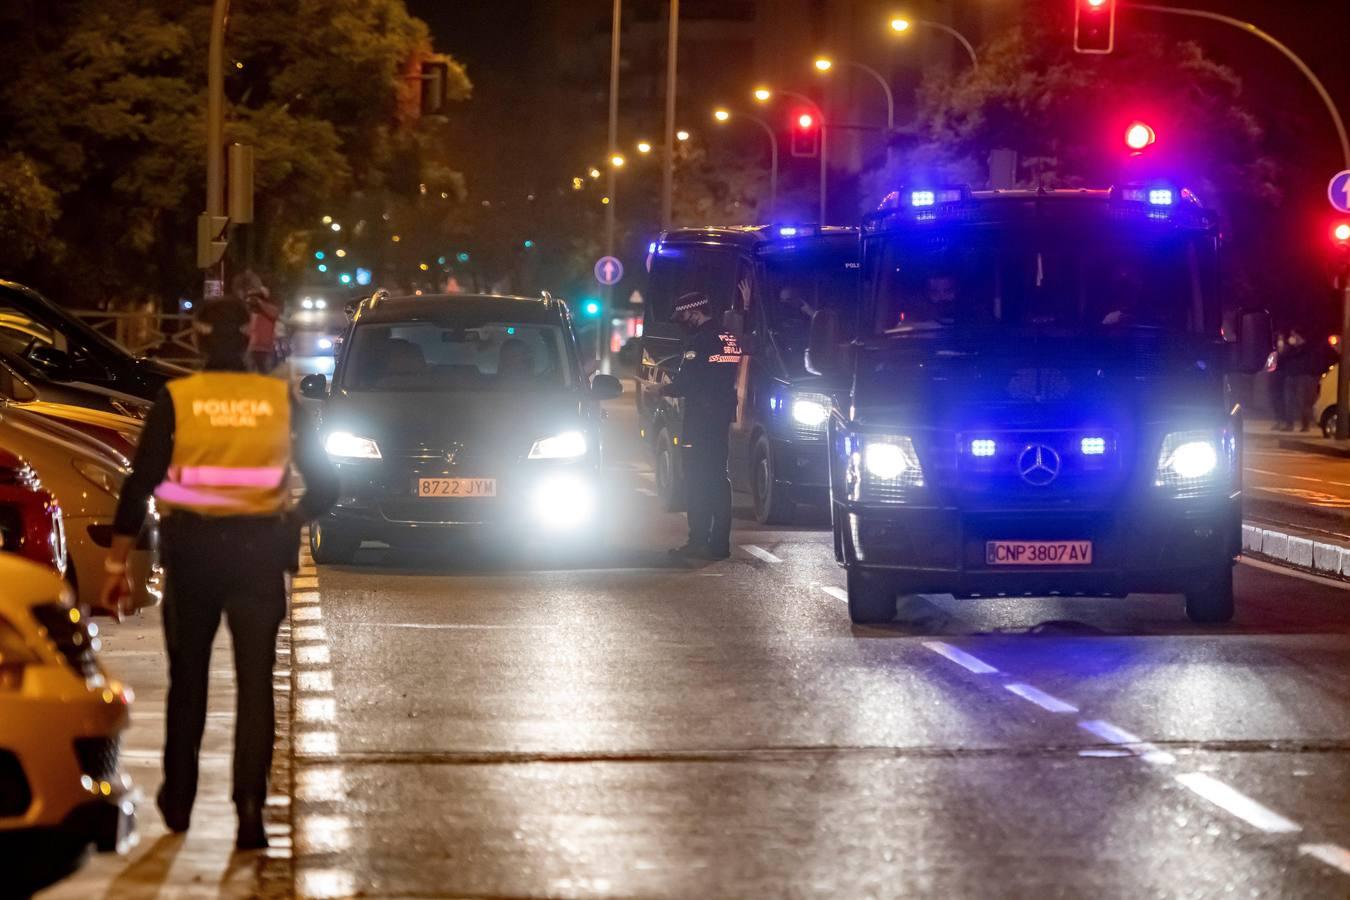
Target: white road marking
<point>312,655</point>
<point>647,476</point>
<point>307,614</point>
<point>1332,854</point>
<point>310,633</point>
<point>315,682</point>
<point>760,553</point>
<point>1236,803</point>
<point>316,709</point>
<point>1297,477</point>
<point>1114,734</point>
<point>1293,573</point>
<point>836,593</point>
<point>1039,697</point>
<point>316,743</point>
<point>961,658</point>
<point>646,492</point>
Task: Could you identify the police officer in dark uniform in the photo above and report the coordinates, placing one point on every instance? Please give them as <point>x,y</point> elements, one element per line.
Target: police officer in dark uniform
<point>707,382</point>
<point>216,453</point>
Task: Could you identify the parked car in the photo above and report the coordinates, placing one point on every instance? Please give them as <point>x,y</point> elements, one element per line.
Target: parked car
<point>86,477</point>
<point>1325,409</point>
<point>67,349</point>
<point>61,718</point>
<point>31,524</point>
<point>24,382</point>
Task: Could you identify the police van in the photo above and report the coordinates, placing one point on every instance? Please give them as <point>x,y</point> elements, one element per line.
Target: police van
<point>1040,401</point>
<point>772,280</point>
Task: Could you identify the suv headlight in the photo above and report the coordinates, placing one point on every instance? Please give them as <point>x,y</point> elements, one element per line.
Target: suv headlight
<point>883,468</point>
<point>811,413</point>
<point>568,445</point>
<point>1195,462</point>
<point>345,445</point>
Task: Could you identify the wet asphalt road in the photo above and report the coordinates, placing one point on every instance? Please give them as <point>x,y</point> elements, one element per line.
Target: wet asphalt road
<point>599,724</point>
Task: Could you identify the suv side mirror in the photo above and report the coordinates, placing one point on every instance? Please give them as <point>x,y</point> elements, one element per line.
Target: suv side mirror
<point>314,387</point>
<point>822,348</point>
<point>606,387</point>
<point>55,361</point>
<point>1255,340</point>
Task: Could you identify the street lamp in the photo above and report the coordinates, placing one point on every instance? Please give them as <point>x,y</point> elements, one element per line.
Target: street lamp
<point>594,172</point>
<point>901,24</point>
<point>681,135</point>
<point>824,64</point>
<point>764,94</point>
<point>644,147</point>
<point>617,160</point>
<point>724,115</point>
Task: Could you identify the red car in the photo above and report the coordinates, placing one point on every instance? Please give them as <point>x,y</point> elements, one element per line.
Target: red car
<point>30,518</point>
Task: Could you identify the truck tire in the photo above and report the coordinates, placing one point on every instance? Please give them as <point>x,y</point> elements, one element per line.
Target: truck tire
<point>871,597</point>
<point>1214,601</point>
<point>669,478</point>
<point>331,544</point>
<point>772,505</point>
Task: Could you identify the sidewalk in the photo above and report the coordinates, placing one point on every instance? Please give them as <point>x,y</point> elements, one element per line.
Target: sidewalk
<point>203,862</point>
<point>1261,432</point>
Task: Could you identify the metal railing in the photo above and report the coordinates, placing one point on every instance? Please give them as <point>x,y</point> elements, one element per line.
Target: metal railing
<point>168,336</point>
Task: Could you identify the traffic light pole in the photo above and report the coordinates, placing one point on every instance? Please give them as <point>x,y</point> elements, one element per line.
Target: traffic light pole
<point>215,152</point>
<point>672,89</point>
<point>1343,382</point>
<point>612,183</point>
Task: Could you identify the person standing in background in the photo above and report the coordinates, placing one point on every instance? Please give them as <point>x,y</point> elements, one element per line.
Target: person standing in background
<point>262,329</point>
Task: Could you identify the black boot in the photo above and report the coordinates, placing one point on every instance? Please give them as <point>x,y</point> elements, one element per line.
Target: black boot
<point>174,820</point>
<point>252,835</point>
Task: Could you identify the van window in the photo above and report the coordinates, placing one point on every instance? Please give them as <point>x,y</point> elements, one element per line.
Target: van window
<point>680,270</point>
<point>799,285</point>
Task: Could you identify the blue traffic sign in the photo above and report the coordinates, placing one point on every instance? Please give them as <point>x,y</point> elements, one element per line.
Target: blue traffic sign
<point>608,270</point>
<point>1339,191</point>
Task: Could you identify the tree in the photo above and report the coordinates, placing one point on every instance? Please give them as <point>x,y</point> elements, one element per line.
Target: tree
<point>110,106</point>
<point>28,210</point>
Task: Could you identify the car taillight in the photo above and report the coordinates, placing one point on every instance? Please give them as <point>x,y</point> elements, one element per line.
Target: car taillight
<point>15,656</point>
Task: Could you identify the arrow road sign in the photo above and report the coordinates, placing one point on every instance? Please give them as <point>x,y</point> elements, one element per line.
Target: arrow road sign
<point>1339,191</point>
<point>608,270</point>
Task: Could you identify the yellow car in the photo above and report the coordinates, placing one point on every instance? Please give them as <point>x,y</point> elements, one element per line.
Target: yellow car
<point>61,718</point>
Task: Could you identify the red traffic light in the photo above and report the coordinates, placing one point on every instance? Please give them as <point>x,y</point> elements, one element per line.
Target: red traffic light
<point>1340,232</point>
<point>1094,26</point>
<point>1139,136</point>
<point>805,134</point>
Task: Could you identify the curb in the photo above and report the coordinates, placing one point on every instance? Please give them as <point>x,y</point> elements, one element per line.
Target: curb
<point>1296,551</point>
<point>1313,445</point>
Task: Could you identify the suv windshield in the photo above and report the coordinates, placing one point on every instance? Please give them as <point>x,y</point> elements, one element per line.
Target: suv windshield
<point>1109,278</point>
<point>799,285</point>
<point>457,354</point>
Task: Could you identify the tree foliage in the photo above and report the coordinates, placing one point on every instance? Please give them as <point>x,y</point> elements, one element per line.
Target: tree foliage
<point>110,105</point>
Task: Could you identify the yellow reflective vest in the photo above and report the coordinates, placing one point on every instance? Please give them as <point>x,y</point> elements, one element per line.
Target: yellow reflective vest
<point>231,445</point>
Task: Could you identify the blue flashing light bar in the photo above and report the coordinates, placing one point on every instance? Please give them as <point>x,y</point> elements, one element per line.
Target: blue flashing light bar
<point>922,198</point>
<point>919,199</point>
<point>983,447</point>
<point>1093,446</point>
<point>1161,197</point>
<point>1153,196</point>
<point>791,231</point>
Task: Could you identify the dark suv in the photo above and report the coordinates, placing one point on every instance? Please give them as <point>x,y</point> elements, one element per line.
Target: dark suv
<point>458,412</point>
<point>1040,400</point>
<point>773,279</point>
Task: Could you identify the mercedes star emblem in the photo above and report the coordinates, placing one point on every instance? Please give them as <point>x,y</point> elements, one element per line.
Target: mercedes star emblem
<point>1038,465</point>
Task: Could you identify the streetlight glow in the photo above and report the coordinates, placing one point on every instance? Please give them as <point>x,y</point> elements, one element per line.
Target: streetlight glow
<point>763,94</point>
<point>617,160</point>
<point>594,173</point>
<point>721,115</point>
<point>900,24</point>
<point>328,220</point>
<point>341,252</point>
<point>681,135</point>
<point>824,63</point>
<point>644,147</point>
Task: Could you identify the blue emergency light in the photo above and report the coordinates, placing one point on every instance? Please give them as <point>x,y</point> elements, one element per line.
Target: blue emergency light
<point>1093,446</point>
<point>791,231</point>
<point>983,448</point>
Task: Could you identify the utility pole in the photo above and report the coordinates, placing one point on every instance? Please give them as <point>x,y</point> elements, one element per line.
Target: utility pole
<point>672,89</point>
<point>211,238</point>
<point>612,183</point>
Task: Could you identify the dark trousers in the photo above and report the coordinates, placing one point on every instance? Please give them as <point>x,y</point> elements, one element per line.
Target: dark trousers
<point>708,497</point>
<point>1300,392</point>
<point>232,567</point>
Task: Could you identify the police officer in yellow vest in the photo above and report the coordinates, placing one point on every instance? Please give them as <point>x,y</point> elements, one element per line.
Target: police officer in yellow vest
<point>216,452</point>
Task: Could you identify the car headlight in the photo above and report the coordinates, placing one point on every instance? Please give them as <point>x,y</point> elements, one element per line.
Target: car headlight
<point>345,445</point>
<point>883,468</point>
<point>811,413</point>
<point>105,479</point>
<point>568,445</point>
<point>1191,462</point>
<point>563,502</point>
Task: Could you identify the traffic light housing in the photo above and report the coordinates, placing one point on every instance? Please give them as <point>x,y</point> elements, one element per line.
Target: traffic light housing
<point>1094,26</point>
<point>1139,136</point>
<point>805,135</point>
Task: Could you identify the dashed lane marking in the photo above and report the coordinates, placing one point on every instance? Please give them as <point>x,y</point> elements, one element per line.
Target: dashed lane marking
<point>1332,854</point>
<point>760,553</point>
<point>1114,734</point>
<point>1236,803</point>
<point>961,658</point>
<point>1045,701</point>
